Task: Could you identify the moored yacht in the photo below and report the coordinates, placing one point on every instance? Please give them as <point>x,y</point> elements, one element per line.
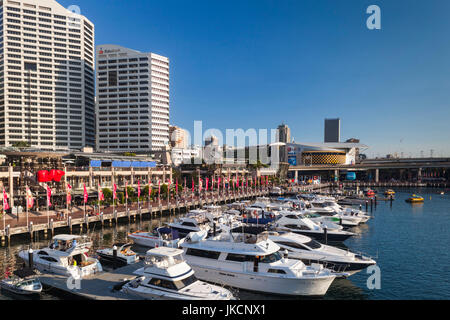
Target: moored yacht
<point>160,237</point>
<point>253,262</point>
<point>194,221</point>
<point>289,221</point>
<point>310,251</point>
<point>166,275</point>
<point>66,255</point>
<point>124,254</point>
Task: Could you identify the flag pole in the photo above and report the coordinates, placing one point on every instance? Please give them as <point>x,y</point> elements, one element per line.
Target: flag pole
<point>26,201</point>
<point>48,209</point>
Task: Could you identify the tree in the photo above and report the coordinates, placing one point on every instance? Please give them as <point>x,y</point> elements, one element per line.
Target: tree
<point>121,197</point>
<point>108,194</point>
<point>21,144</point>
<point>131,192</point>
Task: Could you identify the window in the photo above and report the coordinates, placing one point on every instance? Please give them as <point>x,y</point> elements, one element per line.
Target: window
<point>163,283</point>
<point>239,257</point>
<point>49,258</point>
<point>274,257</point>
<point>313,244</point>
<point>203,253</point>
<point>293,226</point>
<point>290,244</point>
<point>189,224</point>
<point>276,271</point>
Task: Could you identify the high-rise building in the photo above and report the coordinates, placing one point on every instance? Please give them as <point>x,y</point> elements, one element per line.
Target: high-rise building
<point>132,100</point>
<point>178,137</point>
<point>283,135</point>
<point>47,82</point>
<point>332,130</point>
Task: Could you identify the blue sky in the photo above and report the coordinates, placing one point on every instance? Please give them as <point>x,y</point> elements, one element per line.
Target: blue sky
<point>255,64</point>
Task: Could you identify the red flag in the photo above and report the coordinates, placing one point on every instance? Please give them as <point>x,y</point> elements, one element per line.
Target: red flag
<point>101,196</point>
<point>115,191</point>
<point>200,181</point>
<point>69,194</point>
<point>176,187</point>
<point>193,186</point>
<point>159,188</point>
<point>5,201</point>
<point>30,200</point>
<point>85,195</point>
<point>139,188</point>
<point>126,189</point>
<point>237,180</point>
<point>149,189</point>
<point>207,181</point>
<point>49,196</point>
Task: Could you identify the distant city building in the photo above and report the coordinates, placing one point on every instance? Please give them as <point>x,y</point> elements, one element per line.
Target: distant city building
<point>284,136</point>
<point>324,153</point>
<point>47,83</point>
<point>132,100</point>
<point>185,155</point>
<point>178,137</point>
<point>211,141</point>
<point>332,130</point>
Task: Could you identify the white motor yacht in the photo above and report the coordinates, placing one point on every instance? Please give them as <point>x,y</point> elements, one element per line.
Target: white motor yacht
<point>125,255</point>
<point>253,262</point>
<point>160,237</point>
<point>166,275</point>
<point>66,255</point>
<point>290,221</point>
<point>23,282</point>
<point>194,221</point>
<point>310,251</point>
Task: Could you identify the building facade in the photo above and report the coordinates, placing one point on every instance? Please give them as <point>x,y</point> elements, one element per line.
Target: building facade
<point>132,100</point>
<point>332,130</point>
<point>47,82</point>
<point>284,136</point>
<point>179,138</point>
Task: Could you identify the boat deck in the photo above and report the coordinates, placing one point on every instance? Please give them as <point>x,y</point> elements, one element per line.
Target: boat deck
<point>96,287</point>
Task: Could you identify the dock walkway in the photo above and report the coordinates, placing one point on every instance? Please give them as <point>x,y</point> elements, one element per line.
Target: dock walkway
<point>96,287</point>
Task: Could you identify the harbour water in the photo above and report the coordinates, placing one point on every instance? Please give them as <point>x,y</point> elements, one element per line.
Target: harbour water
<point>408,241</point>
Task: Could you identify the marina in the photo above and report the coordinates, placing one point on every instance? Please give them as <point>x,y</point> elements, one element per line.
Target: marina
<point>389,234</point>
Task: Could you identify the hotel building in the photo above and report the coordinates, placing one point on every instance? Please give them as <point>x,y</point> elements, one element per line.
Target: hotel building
<point>46,76</point>
<point>132,100</point>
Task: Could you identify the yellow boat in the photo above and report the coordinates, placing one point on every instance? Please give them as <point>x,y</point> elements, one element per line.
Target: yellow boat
<point>415,199</point>
<point>389,192</point>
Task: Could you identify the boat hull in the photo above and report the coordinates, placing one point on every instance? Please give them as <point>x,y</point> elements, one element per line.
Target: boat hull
<point>320,236</point>
<point>267,284</point>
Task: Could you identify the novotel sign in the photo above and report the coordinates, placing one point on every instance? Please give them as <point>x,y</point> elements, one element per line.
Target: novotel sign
<point>101,51</point>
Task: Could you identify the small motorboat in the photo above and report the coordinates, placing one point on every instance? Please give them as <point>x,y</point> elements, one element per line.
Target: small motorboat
<point>415,199</point>
<point>389,192</point>
<point>23,282</point>
<point>160,237</point>
<point>370,193</point>
<point>166,275</point>
<point>125,255</point>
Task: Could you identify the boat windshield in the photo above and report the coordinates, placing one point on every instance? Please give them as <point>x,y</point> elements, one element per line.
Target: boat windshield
<point>163,262</point>
<point>274,257</point>
<point>180,284</point>
<point>313,244</point>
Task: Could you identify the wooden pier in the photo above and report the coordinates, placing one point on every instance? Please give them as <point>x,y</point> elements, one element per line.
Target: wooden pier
<point>130,214</point>
<point>100,286</point>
